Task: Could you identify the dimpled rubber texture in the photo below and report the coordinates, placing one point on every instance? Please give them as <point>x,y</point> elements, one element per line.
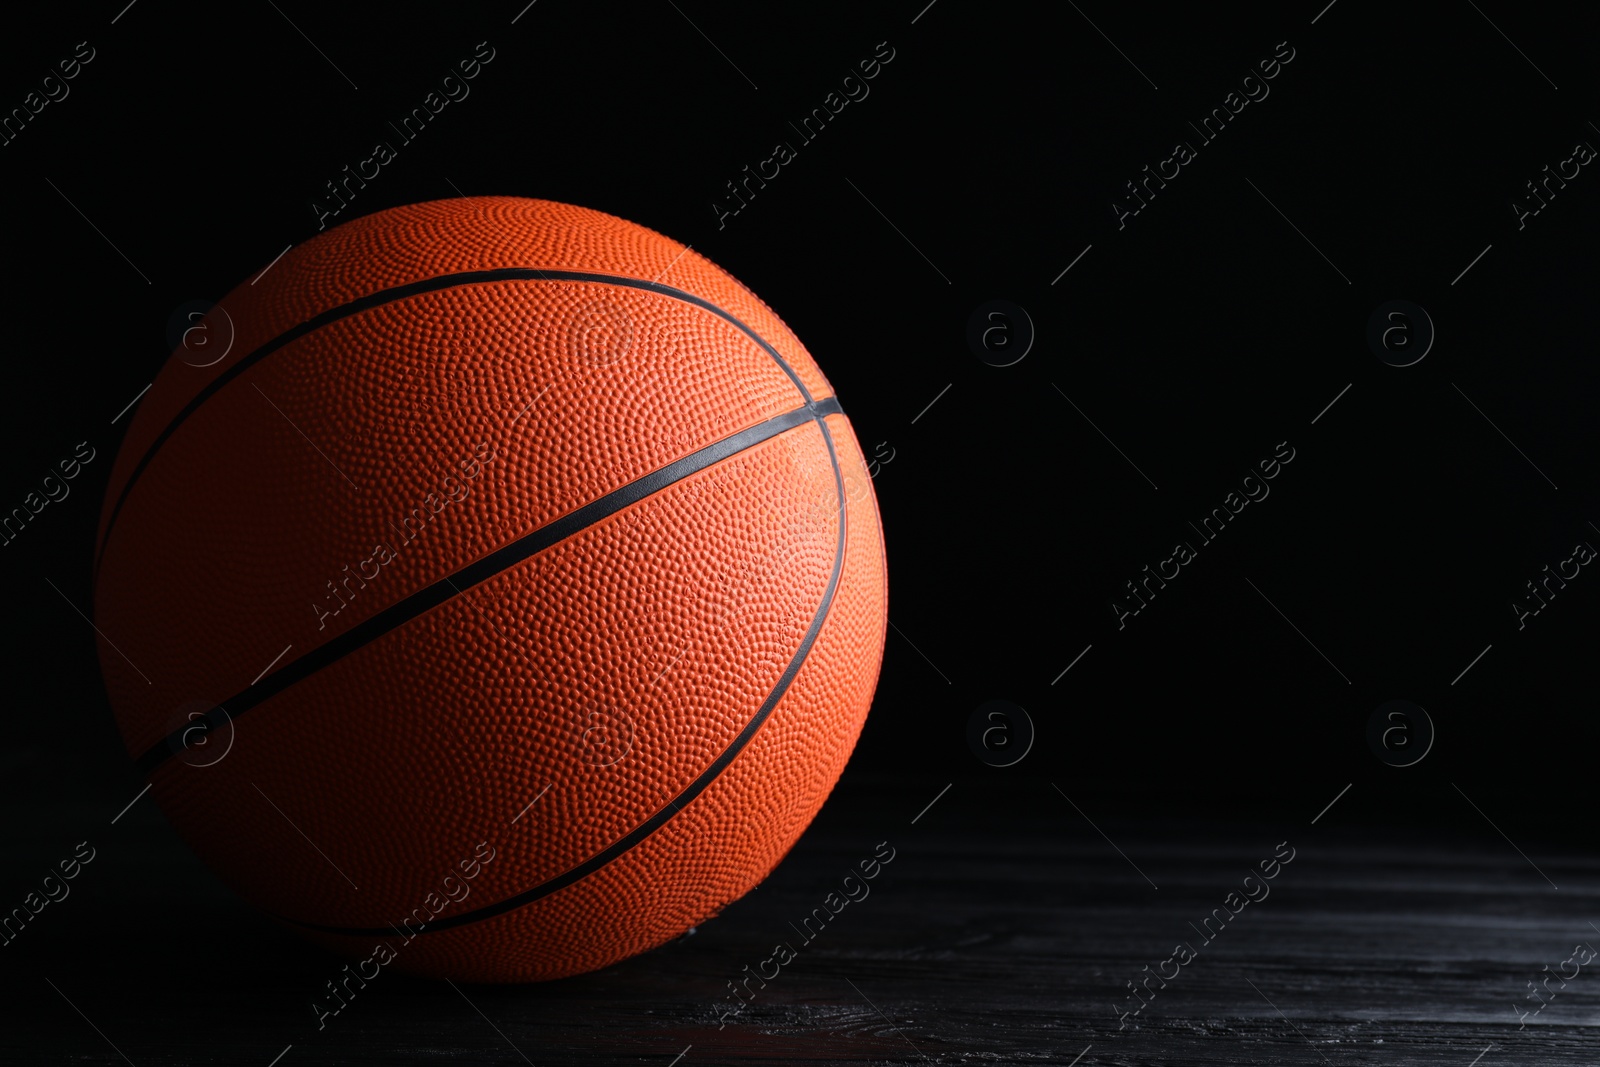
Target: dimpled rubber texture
<point>541,714</point>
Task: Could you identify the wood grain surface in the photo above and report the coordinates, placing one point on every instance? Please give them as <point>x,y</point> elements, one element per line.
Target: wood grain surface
<point>1004,930</point>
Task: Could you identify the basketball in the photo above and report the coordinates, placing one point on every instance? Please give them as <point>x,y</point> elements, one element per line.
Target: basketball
<point>506,588</point>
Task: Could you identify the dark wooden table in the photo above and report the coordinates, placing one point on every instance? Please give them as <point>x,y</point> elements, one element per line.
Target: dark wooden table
<point>1004,931</point>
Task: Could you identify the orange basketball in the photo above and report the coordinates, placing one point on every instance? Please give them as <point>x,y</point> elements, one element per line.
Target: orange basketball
<point>490,589</point>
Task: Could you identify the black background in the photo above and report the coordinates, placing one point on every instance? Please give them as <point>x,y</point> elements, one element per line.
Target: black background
<point>1197,337</point>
